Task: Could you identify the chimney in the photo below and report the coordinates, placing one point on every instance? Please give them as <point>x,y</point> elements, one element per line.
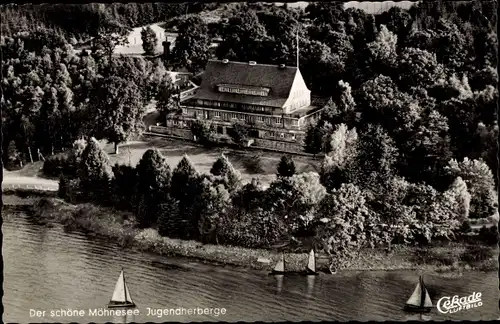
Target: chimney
<point>166,50</point>
<point>225,61</point>
<point>282,66</point>
<point>252,63</point>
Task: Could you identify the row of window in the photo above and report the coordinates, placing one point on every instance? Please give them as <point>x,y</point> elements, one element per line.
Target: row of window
<point>281,135</point>
<point>230,116</point>
<point>210,103</point>
<point>261,134</point>
<point>252,92</point>
<point>218,104</point>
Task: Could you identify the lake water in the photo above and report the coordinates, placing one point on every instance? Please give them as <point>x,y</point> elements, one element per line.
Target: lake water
<point>49,269</point>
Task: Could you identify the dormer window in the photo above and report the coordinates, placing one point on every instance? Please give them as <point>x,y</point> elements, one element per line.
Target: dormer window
<point>245,90</point>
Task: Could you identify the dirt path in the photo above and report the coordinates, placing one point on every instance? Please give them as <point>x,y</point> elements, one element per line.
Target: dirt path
<point>28,178</point>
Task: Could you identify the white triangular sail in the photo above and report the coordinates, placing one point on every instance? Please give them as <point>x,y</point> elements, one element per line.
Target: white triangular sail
<point>428,301</point>
<point>280,266</point>
<point>121,293</point>
<point>311,263</point>
<point>127,293</point>
<point>414,299</point>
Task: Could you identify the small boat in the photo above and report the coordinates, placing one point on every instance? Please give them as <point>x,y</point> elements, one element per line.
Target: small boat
<point>419,301</point>
<point>311,264</point>
<point>121,295</point>
<point>279,269</point>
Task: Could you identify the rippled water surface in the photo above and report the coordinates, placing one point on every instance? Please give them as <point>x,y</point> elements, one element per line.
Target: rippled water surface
<point>48,269</point>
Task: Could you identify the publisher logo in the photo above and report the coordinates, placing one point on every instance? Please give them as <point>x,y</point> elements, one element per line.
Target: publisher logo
<point>449,305</point>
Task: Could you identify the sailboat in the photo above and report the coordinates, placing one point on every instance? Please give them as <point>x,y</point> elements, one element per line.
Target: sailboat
<point>121,295</point>
<point>280,266</point>
<point>311,264</point>
<point>420,301</point>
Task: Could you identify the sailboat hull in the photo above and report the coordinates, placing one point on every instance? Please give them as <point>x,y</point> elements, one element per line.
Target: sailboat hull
<point>121,305</point>
<point>310,273</point>
<point>417,309</point>
<point>296,273</point>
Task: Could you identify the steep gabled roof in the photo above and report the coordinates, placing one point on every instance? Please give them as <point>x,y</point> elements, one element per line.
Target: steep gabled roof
<point>278,80</point>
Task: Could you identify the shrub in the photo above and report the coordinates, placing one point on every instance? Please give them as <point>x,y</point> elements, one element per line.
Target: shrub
<point>14,157</point>
<point>204,133</point>
<point>465,228</point>
<point>477,254</point>
<point>231,178</point>
<point>253,230</point>
<point>63,187</point>
<point>286,167</point>
<point>239,134</point>
<point>250,196</point>
<point>489,235</point>
<point>56,165</point>
<point>253,164</point>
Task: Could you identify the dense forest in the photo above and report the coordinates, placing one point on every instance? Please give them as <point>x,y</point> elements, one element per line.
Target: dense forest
<point>413,108</point>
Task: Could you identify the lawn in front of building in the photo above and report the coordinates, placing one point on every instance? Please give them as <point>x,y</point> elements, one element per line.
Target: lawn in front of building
<point>251,164</point>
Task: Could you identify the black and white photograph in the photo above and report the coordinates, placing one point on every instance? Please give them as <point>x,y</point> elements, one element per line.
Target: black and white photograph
<point>249,161</point>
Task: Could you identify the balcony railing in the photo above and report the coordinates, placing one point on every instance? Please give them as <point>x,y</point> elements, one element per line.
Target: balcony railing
<point>188,93</point>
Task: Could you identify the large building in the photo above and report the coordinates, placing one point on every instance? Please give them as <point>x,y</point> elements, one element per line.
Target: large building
<point>273,101</point>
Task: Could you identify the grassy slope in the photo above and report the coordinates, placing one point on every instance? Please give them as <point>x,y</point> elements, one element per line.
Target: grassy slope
<point>203,158</point>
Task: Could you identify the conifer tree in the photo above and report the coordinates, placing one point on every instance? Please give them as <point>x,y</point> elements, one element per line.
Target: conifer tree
<point>212,203</point>
<point>169,220</point>
<point>95,171</point>
<point>286,167</point>
<point>184,177</point>
<point>154,172</point>
<point>185,188</point>
<point>153,184</point>
<point>223,168</point>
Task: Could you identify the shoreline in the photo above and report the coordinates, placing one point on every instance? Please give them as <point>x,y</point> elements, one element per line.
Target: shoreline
<point>116,226</point>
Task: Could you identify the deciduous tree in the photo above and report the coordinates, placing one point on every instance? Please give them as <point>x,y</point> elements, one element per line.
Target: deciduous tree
<point>418,68</point>
<point>340,163</point>
<point>344,215</point>
<point>294,199</point>
<point>249,196</point>
<point>242,35</point>
<point>192,45</point>
<point>480,183</point>
<point>107,41</point>
<point>117,105</point>
<point>149,40</point>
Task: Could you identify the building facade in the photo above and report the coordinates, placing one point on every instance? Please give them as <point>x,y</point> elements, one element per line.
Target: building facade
<point>271,101</point>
